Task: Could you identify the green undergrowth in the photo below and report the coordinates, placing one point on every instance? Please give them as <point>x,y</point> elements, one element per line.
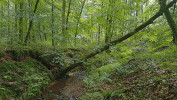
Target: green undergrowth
<point>23,80</point>
<point>149,75</point>
<point>2,53</point>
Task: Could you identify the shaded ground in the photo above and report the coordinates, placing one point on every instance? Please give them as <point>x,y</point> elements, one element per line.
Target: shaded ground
<point>22,78</point>
<point>138,79</point>
<point>66,89</point>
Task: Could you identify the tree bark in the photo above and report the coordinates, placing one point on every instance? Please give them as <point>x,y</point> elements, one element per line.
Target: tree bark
<point>31,22</point>
<point>106,47</point>
<point>170,20</point>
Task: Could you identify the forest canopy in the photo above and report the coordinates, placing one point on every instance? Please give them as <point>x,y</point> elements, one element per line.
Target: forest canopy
<point>81,22</point>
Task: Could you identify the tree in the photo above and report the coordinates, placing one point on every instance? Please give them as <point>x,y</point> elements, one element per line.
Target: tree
<point>106,47</point>
<point>63,18</point>
<point>53,40</point>
<point>170,20</point>
<point>31,23</point>
<point>68,13</point>
<point>21,35</point>
<point>78,20</point>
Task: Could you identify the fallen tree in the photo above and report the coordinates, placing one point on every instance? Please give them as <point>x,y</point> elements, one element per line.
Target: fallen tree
<point>106,47</point>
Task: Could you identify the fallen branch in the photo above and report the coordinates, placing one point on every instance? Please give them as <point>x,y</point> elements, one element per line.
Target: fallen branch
<point>106,47</point>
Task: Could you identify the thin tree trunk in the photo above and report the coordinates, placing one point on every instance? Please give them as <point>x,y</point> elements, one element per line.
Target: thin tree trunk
<point>170,20</point>
<point>63,19</point>
<point>45,34</point>
<point>68,13</point>
<point>2,15</point>
<point>78,21</point>
<point>30,17</point>
<point>9,30</point>
<point>21,22</point>
<point>99,32</point>
<point>109,26</point>
<point>31,22</point>
<point>53,39</point>
<point>16,18</point>
<point>106,47</point>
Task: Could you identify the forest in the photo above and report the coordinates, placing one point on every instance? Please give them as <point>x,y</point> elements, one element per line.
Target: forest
<point>88,49</point>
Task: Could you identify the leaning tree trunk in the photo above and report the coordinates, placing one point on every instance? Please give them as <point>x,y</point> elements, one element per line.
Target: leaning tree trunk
<point>170,20</point>
<point>106,47</point>
<point>31,22</point>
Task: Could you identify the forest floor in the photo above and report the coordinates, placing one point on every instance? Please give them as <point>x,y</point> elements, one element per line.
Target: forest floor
<point>148,76</point>
<point>151,75</point>
<point>21,78</point>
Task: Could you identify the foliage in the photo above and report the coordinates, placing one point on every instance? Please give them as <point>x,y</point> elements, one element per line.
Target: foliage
<point>23,77</point>
<point>2,54</point>
<point>92,96</point>
<point>85,27</point>
<point>148,75</point>
<point>100,75</point>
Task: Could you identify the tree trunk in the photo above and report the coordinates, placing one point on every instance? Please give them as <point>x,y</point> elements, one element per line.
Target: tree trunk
<point>78,21</point>
<point>68,13</point>
<point>21,22</point>
<point>99,32</point>
<point>9,26</point>
<point>30,17</point>
<point>16,18</point>
<point>2,15</point>
<point>170,20</point>
<point>53,39</point>
<point>63,19</point>
<point>45,34</point>
<point>106,47</point>
<point>31,22</point>
<point>109,27</point>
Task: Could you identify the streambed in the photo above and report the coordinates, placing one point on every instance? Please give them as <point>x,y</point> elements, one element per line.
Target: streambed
<point>66,89</point>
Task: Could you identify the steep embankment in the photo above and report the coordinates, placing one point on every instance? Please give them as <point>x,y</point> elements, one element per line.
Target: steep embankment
<point>24,73</point>
<point>21,76</point>
<point>147,76</point>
